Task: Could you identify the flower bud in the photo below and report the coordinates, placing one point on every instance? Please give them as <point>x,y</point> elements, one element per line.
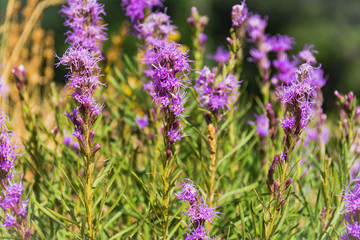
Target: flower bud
<point>287,183</point>
<point>338,95</point>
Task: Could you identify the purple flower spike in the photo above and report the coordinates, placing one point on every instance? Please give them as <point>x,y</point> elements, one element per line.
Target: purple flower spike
<point>239,14</point>
<point>189,192</point>
<point>10,199</point>
<point>352,212</point>
<point>156,26</point>
<point>221,56</point>
<point>256,26</point>
<point>307,54</point>
<point>135,8</point>
<point>280,43</point>
<point>199,212</point>
<point>84,17</point>
<point>216,97</point>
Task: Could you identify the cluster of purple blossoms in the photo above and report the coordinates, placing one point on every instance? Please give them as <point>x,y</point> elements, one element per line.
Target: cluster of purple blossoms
<point>199,212</point>
<point>297,99</point>
<point>142,122</point>
<point>351,212</point>
<point>262,125</point>
<point>10,199</point>
<point>284,66</point>
<point>239,14</point>
<point>221,55</point>
<point>216,95</point>
<point>135,9</point>
<point>155,26</point>
<point>166,66</point>
<point>82,57</point>
<point>256,30</point>
<point>170,65</point>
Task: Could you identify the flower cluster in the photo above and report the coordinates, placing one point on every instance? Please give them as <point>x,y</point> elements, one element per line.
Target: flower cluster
<point>284,66</point>
<point>239,14</point>
<point>262,125</point>
<point>84,19</point>
<point>221,55</point>
<point>352,212</point>
<point>296,98</point>
<point>199,212</point>
<point>166,68</point>
<point>279,44</point>
<point>256,30</point>
<point>135,9</point>
<point>155,26</point>
<point>142,122</point>
<point>10,199</point>
<point>82,57</point>
<point>216,95</point>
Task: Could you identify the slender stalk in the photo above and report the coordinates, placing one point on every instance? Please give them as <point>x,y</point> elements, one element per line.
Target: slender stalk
<point>165,204</point>
<point>212,142</point>
<point>89,168</point>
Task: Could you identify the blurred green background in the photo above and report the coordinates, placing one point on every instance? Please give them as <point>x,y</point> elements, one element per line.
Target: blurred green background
<point>332,26</point>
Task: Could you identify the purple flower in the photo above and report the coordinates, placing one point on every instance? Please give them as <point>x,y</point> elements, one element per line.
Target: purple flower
<point>288,123</point>
<point>198,211</point>
<point>256,30</point>
<point>84,18</point>
<point>142,122</point>
<point>10,199</point>
<point>221,56</point>
<point>9,221</point>
<point>239,14</point>
<point>169,68</point>
<point>297,99</point>
<point>352,211</point>
<point>155,26</point>
<point>86,37</point>
<point>174,134</point>
<point>280,43</point>
<point>135,8</point>
<point>7,149</point>
<point>262,125</point>
<point>218,96</point>
<point>307,54</point>
<point>256,26</point>
<point>189,192</point>
<point>202,39</point>
<point>285,68</point>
